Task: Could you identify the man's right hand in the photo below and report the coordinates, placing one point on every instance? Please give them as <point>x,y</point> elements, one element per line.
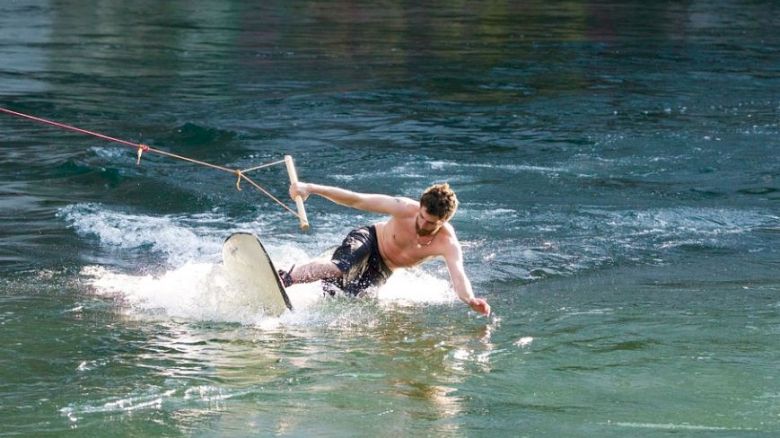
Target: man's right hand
<point>299,189</point>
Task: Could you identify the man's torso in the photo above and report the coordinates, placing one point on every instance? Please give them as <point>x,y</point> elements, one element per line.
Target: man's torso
<point>400,246</point>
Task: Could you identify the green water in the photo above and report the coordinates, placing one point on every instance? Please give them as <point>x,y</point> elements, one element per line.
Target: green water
<point>616,164</point>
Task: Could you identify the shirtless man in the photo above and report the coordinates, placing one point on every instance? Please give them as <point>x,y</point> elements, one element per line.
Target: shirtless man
<point>414,232</point>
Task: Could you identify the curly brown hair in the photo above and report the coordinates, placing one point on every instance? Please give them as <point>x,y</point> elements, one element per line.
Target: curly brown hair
<point>440,201</point>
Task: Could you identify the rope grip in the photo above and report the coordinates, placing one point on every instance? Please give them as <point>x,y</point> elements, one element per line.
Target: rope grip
<point>141,149</point>
<point>240,175</point>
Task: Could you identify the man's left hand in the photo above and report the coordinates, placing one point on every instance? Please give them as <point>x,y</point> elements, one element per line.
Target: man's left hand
<point>480,305</point>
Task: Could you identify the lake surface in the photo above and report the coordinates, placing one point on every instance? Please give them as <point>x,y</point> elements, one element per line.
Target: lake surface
<point>618,170</point>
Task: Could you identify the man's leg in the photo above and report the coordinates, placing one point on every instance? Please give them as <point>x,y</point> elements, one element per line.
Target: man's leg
<point>348,259</point>
<point>313,271</point>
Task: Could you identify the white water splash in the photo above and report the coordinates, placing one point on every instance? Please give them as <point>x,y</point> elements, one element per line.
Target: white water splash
<point>193,285</point>
<point>179,239</point>
<point>202,292</point>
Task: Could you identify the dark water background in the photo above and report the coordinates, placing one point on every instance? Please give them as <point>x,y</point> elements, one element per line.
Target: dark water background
<point>618,174</point>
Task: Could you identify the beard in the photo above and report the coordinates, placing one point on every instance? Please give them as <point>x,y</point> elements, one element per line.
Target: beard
<point>421,232</point>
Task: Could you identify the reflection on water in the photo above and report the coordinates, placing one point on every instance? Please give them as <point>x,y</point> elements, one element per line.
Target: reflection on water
<point>511,50</point>
<point>326,356</point>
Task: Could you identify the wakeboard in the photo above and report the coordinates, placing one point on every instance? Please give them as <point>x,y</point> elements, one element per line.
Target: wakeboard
<point>249,267</point>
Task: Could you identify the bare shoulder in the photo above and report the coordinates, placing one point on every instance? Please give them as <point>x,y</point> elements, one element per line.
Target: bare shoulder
<point>405,206</point>
<point>450,246</point>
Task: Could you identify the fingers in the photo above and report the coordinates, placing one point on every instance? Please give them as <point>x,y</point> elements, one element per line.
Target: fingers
<point>481,306</point>
<point>486,309</point>
<point>298,189</point>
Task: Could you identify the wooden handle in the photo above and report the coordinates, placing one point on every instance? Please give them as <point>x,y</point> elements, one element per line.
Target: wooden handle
<point>288,160</point>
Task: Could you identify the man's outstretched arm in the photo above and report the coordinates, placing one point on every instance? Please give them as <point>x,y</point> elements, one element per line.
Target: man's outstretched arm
<point>461,283</point>
<point>376,203</point>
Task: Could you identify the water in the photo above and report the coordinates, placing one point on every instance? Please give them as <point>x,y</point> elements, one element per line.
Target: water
<point>618,173</point>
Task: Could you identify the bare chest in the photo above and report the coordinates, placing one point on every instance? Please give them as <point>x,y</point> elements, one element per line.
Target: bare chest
<point>402,248</point>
